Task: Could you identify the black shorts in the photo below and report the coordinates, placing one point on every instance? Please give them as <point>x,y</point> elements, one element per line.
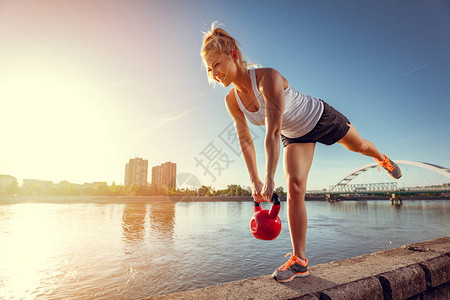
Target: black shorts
<point>331,127</point>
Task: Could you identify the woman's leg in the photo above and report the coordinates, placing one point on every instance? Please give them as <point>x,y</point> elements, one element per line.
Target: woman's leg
<point>297,160</point>
<point>354,142</point>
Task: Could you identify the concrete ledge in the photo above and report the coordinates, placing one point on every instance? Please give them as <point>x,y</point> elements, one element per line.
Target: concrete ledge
<point>437,271</point>
<point>419,269</point>
<point>438,293</point>
<point>441,245</point>
<point>367,288</point>
<point>403,283</point>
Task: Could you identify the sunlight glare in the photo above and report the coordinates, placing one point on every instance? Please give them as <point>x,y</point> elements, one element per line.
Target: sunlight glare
<point>54,112</point>
<point>26,252</point>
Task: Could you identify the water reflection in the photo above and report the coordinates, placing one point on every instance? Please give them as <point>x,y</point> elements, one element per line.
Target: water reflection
<point>396,206</point>
<point>350,207</point>
<point>133,222</point>
<point>162,219</point>
<point>362,206</point>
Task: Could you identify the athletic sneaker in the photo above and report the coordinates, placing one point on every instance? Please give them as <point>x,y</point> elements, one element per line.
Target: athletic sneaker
<point>390,166</point>
<point>294,267</point>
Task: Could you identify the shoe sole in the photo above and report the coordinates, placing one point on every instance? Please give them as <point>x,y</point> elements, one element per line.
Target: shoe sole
<point>304,274</point>
<point>394,176</point>
<point>390,174</point>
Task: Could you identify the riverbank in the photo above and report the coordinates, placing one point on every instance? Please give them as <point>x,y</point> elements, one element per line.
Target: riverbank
<point>378,197</point>
<point>416,271</point>
<point>118,199</point>
<point>175,199</point>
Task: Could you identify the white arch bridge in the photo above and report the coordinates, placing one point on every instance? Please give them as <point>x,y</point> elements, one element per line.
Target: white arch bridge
<point>343,184</point>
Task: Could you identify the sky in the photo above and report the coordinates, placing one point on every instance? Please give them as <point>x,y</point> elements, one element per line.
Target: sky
<point>87,85</point>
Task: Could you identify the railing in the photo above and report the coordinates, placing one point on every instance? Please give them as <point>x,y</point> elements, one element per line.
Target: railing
<point>366,187</point>
<point>386,187</point>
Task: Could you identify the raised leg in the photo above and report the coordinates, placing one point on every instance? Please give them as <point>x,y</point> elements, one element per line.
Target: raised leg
<point>354,142</point>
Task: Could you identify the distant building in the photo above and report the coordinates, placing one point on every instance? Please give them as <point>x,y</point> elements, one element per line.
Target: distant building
<point>6,181</point>
<point>136,171</point>
<point>156,177</point>
<point>165,175</point>
<point>36,186</point>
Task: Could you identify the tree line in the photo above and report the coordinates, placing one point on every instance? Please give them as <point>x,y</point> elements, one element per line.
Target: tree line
<point>65,188</point>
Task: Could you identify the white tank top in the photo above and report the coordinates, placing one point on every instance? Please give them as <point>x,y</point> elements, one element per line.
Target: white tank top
<point>301,112</point>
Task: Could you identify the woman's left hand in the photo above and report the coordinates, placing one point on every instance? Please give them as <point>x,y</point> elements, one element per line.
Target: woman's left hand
<point>267,190</point>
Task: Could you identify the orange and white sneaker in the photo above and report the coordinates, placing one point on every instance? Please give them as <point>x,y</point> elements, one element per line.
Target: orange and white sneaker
<point>391,167</point>
<point>294,267</point>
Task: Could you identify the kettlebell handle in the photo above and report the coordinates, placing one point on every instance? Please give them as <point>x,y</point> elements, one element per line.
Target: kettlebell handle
<point>274,210</point>
<point>275,200</point>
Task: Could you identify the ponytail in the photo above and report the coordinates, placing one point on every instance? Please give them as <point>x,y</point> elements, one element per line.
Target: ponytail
<point>217,40</point>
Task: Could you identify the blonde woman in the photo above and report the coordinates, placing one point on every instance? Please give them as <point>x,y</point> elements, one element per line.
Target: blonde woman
<point>264,97</point>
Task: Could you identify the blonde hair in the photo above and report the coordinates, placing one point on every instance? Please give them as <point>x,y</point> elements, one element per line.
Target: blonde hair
<point>217,40</point>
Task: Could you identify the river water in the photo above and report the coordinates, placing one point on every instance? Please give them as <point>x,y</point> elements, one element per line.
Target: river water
<point>135,250</point>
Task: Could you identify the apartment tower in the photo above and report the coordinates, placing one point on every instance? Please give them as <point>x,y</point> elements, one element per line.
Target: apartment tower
<point>136,171</point>
<point>165,175</point>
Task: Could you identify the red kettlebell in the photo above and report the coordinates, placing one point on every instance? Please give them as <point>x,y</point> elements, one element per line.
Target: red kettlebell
<point>265,224</point>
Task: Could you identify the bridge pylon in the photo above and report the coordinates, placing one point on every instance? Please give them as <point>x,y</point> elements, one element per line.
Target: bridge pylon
<point>395,199</point>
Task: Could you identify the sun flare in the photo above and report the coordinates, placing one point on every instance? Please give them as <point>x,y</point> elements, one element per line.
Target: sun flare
<point>55,114</point>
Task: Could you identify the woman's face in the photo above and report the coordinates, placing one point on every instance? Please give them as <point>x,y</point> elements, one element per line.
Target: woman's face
<point>221,67</point>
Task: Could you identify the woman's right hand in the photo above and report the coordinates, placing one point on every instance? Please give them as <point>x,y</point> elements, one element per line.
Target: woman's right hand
<point>257,186</point>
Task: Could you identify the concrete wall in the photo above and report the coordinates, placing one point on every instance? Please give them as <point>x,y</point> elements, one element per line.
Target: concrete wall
<point>416,271</point>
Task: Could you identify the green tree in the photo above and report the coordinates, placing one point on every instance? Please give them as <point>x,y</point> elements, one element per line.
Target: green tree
<point>231,190</point>
<point>113,189</point>
<point>203,190</point>
<point>239,191</point>
<point>133,190</point>
<point>101,189</point>
<point>117,190</point>
<point>247,191</point>
<point>280,191</point>
<point>121,190</point>
<point>171,192</point>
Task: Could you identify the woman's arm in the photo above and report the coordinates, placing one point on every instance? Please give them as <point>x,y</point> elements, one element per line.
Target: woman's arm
<point>271,86</point>
<point>245,143</point>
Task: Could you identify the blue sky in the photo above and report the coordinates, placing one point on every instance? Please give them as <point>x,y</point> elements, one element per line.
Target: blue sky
<point>86,85</point>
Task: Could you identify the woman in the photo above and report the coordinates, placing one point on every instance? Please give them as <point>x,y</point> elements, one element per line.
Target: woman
<point>264,97</point>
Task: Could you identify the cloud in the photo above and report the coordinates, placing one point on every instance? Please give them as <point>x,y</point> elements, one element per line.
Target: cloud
<point>416,69</point>
<point>163,121</point>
